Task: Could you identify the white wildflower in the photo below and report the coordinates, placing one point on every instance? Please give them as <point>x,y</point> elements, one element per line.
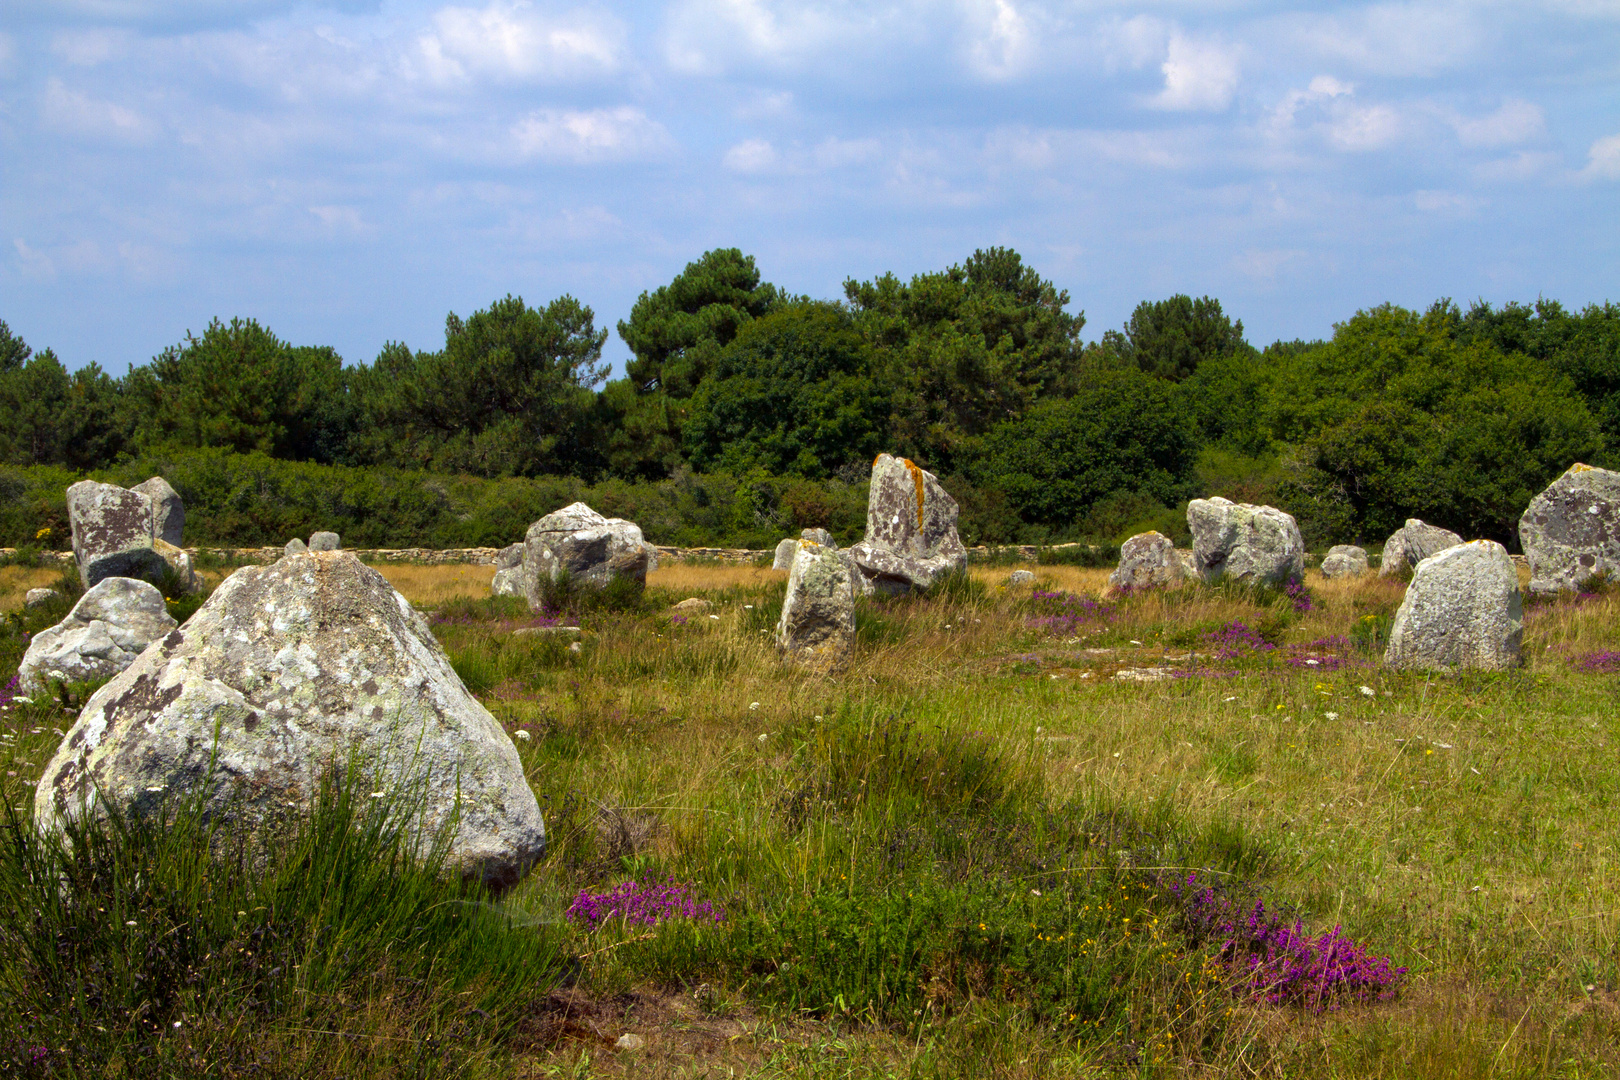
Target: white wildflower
<point>1331,715</point>
<point>1368,691</point>
<point>524,735</point>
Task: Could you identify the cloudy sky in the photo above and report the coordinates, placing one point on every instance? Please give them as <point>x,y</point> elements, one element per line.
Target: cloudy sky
<point>349,171</point>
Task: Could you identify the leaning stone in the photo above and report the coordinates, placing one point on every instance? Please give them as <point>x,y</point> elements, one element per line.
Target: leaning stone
<point>168,512</point>
<point>1462,609</point>
<point>286,673</point>
<point>295,546</point>
<point>325,541</point>
<point>782,559</point>
<point>107,629</point>
<point>1146,560</point>
<point>911,534</point>
<point>38,597</point>
<point>1021,577</point>
<point>817,628</point>
<point>1411,544</point>
<point>112,533</point>
<point>1571,531</point>
<point>1254,545</point>
<point>588,548</point>
<point>1344,560</point>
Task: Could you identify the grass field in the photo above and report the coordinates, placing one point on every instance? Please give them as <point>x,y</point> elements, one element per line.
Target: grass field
<point>958,858</point>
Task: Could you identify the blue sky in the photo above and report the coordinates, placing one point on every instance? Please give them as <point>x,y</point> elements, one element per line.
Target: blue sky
<point>348,172</point>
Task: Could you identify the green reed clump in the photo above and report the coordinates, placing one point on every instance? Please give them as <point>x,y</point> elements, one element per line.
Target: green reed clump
<point>173,945</point>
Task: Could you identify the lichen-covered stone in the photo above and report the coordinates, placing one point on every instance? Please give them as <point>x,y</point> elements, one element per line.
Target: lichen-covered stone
<point>1462,609</point>
<point>508,579</point>
<point>38,597</point>
<point>107,629</point>
<point>1254,545</point>
<point>285,673</point>
<point>1344,560</point>
<point>325,541</point>
<point>1020,578</point>
<point>295,546</point>
<point>911,534</point>
<point>590,549</point>
<point>112,533</point>
<point>509,557</point>
<point>168,512</point>
<point>1411,544</point>
<point>1146,560</point>
<point>782,558</point>
<point>818,536</point>
<point>817,628</point>
<point>1571,531</point>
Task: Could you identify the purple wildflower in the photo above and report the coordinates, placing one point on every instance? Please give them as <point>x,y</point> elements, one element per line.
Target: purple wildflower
<point>1235,640</point>
<point>1063,613</point>
<point>1606,662</point>
<point>644,903</point>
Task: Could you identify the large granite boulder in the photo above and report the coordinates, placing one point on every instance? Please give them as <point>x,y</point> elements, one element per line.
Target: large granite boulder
<point>1344,560</point>
<point>126,532</point>
<point>107,629</point>
<point>1571,531</point>
<point>910,531</point>
<point>1462,609</point>
<point>817,628</point>
<point>286,673</point>
<point>584,546</point>
<point>168,512</point>
<point>1145,560</point>
<point>1411,544</point>
<point>508,580</point>
<point>325,541</point>
<point>1254,545</point>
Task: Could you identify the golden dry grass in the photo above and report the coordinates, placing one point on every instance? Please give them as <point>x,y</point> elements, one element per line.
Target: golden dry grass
<point>15,581</point>
<point>429,586</point>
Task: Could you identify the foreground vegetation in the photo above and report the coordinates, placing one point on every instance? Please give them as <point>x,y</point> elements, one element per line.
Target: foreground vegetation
<point>968,855</point>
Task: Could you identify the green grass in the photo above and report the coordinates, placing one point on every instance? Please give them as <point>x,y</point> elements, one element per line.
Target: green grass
<point>925,865</point>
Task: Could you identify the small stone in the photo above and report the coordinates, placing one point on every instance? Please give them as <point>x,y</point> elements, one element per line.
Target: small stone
<point>38,597</point>
<point>782,558</point>
<point>1344,560</point>
<point>818,536</point>
<point>692,604</point>
<point>325,541</point>
<point>1021,577</point>
<point>107,629</point>
<point>629,1041</point>
<point>1411,544</point>
<point>1147,560</point>
<point>295,546</point>
<point>547,631</point>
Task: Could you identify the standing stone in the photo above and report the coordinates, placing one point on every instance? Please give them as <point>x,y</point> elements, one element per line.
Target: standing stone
<point>168,512</point>
<point>910,531</point>
<point>817,628</point>
<point>325,541</point>
<point>1571,531</point>
<point>287,672</point>
<point>508,580</point>
<point>782,559</point>
<point>1146,560</point>
<point>295,546</point>
<point>1254,545</point>
<point>107,629</point>
<point>1462,609</point>
<point>1411,544</point>
<point>589,548</point>
<point>1344,560</point>
<point>112,533</point>
<point>820,536</point>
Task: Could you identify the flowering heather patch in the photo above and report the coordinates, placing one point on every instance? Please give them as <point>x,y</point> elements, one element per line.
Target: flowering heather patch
<point>1299,596</point>
<point>1324,654</point>
<point>644,903</point>
<point>9,692</point>
<point>1606,662</point>
<point>1063,613</point>
<point>1280,963</point>
<point>1235,640</point>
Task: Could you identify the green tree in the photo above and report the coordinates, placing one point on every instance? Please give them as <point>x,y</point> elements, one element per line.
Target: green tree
<point>966,349</point>
<point>1171,338</point>
<point>508,395</point>
<point>794,393</point>
<point>1125,433</point>
<point>14,351</point>
<point>49,416</point>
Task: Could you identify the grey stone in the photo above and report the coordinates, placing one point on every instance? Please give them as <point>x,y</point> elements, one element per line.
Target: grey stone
<point>1571,531</point>
<point>107,629</point>
<point>112,533</point>
<point>179,561</point>
<point>287,672</point>
<point>1255,545</point>
<point>817,628</point>
<point>630,1041</point>
<point>1412,543</point>
<point>782,559</point>
<point>693,605</point>
<point>910,531</point>
<point>547,631</point>
<point>1021,577</point>
<point>589,548</point>
<point>507,582</point>
<point>168,512</point>
<point>818,536</point>
<point>325,541</point>
<point>38,597</point>
<point>1344,560</point>
<point>1146,560</point>
<point>295,546</point>
<point>1462,609</point>
<point>509,556</point>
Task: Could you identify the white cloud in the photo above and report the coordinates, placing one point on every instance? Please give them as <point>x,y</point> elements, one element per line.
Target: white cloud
<point>1524,165</point>
<point>71,110</point>
<point>750,156</point>
<point>35,264</point>
<point>1132,44</point>
<point>1515,122</point>
<point>1327,108</point>
<point>1002,42</point>
<point>709,37</point>
<point>1395,39</point>
<point>512,41</point>
<point>1198,75</point>
<point>588,136</point>
<point>1604,159</point>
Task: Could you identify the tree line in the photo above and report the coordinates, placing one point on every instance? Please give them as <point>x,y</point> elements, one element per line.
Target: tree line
<point>979,372</point>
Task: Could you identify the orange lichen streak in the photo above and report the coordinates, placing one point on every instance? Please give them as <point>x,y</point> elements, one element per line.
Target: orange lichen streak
<point>917,478</point>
